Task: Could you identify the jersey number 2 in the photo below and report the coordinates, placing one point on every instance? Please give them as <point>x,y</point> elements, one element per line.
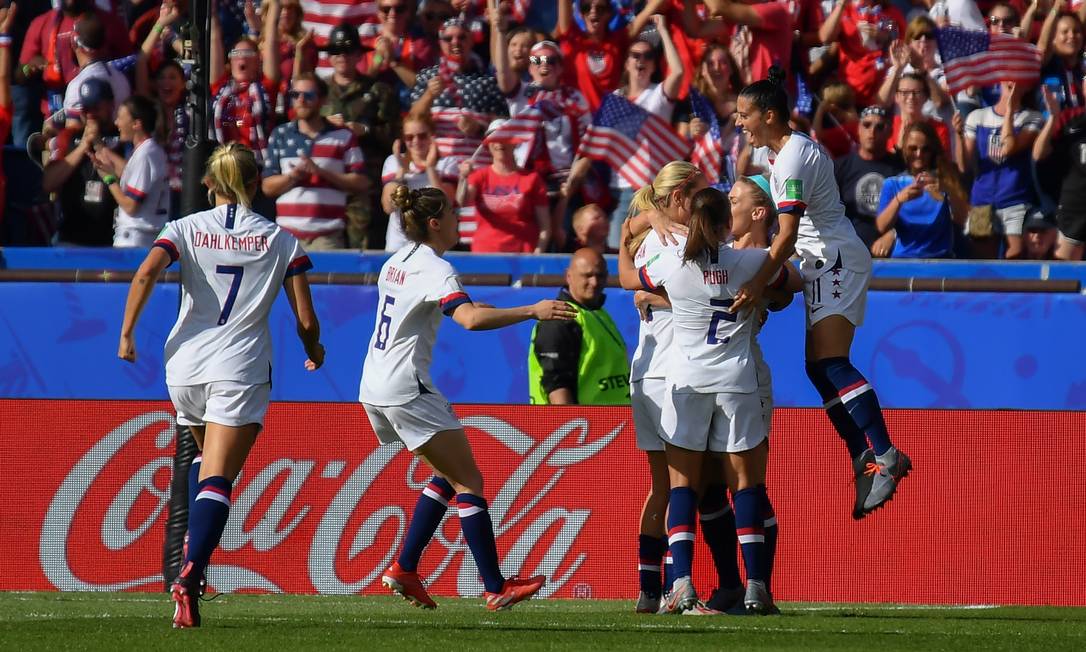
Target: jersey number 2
<point>385,325</point>
<point>718,316</point>
<point>237,271</point>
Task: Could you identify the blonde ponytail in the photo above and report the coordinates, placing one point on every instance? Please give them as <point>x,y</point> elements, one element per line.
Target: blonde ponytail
<point>232,172</point>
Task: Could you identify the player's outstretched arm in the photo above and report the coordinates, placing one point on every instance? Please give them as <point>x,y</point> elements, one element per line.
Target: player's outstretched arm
<point>784,245</point>
<point>475,317</point>
<point>138,294</point>
<point>309,328</point>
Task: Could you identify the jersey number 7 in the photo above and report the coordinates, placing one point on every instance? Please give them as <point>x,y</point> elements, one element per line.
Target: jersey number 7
<point>237,271</point>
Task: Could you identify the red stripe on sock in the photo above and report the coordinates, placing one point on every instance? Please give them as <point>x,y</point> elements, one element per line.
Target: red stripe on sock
<point>857,385</point>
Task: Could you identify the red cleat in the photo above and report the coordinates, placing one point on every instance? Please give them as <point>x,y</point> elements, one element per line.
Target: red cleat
<point>515,590</point>
<point>186,610</point>
<point>408,586</point>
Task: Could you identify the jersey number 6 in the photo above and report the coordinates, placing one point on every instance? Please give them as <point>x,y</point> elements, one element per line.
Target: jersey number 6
<point>237,271</point>
<point>385,325</point>
<point>719,316</point>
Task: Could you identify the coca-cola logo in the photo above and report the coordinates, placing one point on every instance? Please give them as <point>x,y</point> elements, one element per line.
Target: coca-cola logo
<point>348,536</point>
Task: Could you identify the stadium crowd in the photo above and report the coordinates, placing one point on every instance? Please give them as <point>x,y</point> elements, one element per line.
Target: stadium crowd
<point>490,100</point>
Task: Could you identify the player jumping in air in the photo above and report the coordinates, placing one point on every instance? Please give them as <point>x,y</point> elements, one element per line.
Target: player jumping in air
<point>836,268</point>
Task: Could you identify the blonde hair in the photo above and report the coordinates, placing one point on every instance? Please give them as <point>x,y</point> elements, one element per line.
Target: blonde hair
<point>232,172</point>
<point>839,94</point>
<point>676,175</point>
<point>417,208</point>
<point>423,118</point>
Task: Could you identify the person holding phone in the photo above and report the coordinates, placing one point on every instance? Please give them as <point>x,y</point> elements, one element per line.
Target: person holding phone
<point>925,202</point>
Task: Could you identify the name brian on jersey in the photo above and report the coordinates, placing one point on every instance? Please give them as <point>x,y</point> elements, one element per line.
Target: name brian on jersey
<point>397,276</point>
<point>715,276</point>
<point>228,242</point>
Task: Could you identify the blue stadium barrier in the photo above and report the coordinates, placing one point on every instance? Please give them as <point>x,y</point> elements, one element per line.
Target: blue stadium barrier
<point>521,265</point>
<point>921,350</point>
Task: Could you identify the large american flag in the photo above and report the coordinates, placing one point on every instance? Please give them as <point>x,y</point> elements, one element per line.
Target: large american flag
<point>450,140</point>
<point>634,142</point>
<point>525,126</point>
<point>709,149</point>
<point>975,58</point>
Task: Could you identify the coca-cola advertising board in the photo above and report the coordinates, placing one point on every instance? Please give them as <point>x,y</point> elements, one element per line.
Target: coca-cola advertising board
<point>991,514</point>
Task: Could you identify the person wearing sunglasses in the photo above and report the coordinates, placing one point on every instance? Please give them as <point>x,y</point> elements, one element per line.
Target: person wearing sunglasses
<point>414,163</point>
<point>861,173</point>
<point>567,118</point>
<point>918,53</point>
<point>594,55</point>
<point>368,108</point>
<point>923,205</point>
<point>311,169</point>
<point>393,54</point>
<point>459,90</point>
<point>243,96</point>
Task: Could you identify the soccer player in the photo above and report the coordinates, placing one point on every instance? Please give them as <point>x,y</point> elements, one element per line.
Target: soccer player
<point>836,267</point>
<point>218,355</point>
<point>715,391</point>
<point>416,287</point>
<point>670,191</point>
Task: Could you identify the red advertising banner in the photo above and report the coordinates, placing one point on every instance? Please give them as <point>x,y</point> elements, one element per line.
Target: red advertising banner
<point>991,515</point>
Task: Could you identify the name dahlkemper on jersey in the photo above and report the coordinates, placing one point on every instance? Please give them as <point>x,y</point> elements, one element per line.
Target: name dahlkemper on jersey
<point>227,242</point>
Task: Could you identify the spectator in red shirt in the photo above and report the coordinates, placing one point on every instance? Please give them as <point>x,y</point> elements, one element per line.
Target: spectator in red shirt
<point>594,57</point>
<point>865,30</point>
<point>512,207</point>
<point>48,48</point>
<point>836,122</point>
<point>771,33</point>
<point>242,108</point>
<point>7,15</point>
<point>912,93</point>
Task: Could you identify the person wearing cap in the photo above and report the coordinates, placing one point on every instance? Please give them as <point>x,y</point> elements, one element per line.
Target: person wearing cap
<point>48,49</point>
<point>511,204</point>
<point>91,52</point>
<point>370,110</point>
<point>311,169</point>
<point>139,185</point>
<point>459,80</point>
<point>861,173</point>
<point>86,206</point>
<point>243,94</point>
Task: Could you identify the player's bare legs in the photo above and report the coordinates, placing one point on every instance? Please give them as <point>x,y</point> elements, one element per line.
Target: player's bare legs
<point>854,410</point>
<point>224,450</point>
<point>449,454</point>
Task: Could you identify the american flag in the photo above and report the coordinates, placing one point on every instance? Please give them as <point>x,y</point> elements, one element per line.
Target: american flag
<point>709,149</point>
<point>450,140</point>
<point>322,15</point>
<point>975,58</point>
<point>522,127</point>
<point>634,142</point>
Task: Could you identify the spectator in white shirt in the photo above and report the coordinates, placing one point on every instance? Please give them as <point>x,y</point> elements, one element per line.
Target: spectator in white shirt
<point>142,189</point>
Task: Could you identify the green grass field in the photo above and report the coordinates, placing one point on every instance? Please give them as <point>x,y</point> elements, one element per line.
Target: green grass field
<point>130,621</point>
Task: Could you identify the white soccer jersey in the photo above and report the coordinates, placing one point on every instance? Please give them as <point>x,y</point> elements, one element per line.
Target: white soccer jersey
<point>233,264</point>
<point>802,183</point>
<point>416,287</point>
<point>655,339</point>
<point>715,344</point>
<point>145,180</point>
